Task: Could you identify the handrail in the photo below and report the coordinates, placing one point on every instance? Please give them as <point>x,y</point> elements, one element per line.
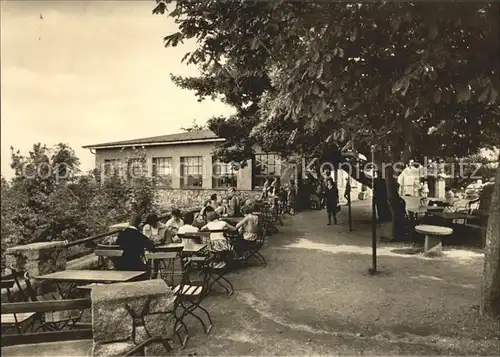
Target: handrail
<point>45,306</point>
<point>46,337</point>
<point>116,231</point>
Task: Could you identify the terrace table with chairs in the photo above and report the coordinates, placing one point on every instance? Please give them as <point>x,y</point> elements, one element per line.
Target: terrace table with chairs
<point>74,277</point>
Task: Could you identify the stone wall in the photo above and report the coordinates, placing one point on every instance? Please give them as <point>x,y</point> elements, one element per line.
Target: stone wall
<point>116,309</point>
<point>178,198</point>
<point>38,258</point>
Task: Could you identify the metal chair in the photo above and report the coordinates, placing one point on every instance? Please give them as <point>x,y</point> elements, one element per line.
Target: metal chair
<point>190,297</point>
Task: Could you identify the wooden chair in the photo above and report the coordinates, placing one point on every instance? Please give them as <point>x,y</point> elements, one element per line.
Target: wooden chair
<point>41,307</point>
<point>23,321</point>
<point>107,254</point>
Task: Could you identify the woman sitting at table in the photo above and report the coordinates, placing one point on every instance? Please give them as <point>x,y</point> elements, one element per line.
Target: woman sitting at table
<point>133,243</point>
<point>154,229</point>
<point>218,242</point>
<point>173,225</point>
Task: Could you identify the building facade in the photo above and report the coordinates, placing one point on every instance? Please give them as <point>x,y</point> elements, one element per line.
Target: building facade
<point>185,169</point>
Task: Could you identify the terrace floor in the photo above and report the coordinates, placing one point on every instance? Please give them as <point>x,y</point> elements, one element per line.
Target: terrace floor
<point>316,298</point>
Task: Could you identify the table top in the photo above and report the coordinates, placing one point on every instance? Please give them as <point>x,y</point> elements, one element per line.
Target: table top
<point>433,230</point>
<point>453,215</point>
<point>115,276</point>
<point>188,247</point>
<point>160,255</point>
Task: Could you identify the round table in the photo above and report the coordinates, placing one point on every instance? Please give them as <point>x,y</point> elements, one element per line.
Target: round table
<point>433,245</point>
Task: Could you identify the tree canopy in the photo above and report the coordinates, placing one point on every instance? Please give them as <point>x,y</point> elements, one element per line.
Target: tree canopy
<point>407,74</point>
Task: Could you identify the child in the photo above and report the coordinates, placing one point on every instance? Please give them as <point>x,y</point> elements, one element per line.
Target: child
<point>249,224</point>
<point>332,200</point>
<point>218,242</point>
<point>174,223</point>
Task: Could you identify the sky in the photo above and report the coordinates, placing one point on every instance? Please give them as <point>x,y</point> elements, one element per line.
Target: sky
<point>90,72</point>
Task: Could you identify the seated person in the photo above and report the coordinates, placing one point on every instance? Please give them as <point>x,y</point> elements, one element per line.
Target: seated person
<point>213,201</point>
<point>154,229</point>
<point>174,223</point>
<point>449,195</point>
<point>201,218</point>
<point>218,242</point>
<point>188,224</point>
<point>249,224</point>
<point>133,243</point>
<point>222,208</point>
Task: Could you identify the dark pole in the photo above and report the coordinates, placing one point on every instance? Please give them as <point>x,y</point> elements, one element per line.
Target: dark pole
<point>349,203</point>
<point>374,217</point>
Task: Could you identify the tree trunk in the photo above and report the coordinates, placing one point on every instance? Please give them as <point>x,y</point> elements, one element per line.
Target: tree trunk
<point>491,278</point>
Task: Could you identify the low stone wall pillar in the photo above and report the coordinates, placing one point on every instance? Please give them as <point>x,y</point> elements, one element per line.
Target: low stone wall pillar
<point>116,309</point>
<point>38,258</point>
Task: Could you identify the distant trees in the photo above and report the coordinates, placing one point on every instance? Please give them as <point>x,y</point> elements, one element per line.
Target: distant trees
<point>50,199</point>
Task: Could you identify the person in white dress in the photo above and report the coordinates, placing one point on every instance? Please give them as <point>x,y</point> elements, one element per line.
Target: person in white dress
<point>154,229</point>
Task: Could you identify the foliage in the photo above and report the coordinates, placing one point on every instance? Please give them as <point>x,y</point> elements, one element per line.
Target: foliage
<point>195,127</point>
<point>297,71</point>
<point>49,199</point>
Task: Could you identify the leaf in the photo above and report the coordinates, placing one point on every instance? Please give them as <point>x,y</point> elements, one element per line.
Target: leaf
<point>315,89</point>
<point>494,96</point>
<point>407,113</point>
<point>482,98</point>
<point>433,30</point>
<point>463,93</point>
<point>160,9</point>
<point>320,71</point>
<point>315,56</point>
<point>397,86</point>
<point>437,96</point>
<point>406,85</point>
<point>396,23</point>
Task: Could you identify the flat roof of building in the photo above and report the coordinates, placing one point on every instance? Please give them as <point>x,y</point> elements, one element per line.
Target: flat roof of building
<point>188,137</point>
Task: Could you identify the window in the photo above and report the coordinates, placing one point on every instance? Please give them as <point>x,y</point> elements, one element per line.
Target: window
<point>191,172</point>
<point>111,167</point>
<point>223,175</point>
<point>136,168</point>
<point>162,171</point>
<point>265,166</point>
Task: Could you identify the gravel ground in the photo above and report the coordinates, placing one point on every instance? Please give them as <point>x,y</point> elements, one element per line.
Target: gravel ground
<point>316,298</point>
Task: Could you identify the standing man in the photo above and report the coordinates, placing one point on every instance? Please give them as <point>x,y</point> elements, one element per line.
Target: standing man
<point>234,203</point>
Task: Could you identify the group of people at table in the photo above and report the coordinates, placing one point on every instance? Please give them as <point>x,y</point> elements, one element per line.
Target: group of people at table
<point>134,242</point>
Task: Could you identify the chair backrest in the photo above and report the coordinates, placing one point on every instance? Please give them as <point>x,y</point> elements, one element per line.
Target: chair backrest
<point>19,276</point>
<point>111,251</point>
<point>108,246</point>
<point>171,248</point>
<point>108,252</point>
<point>195,237</point>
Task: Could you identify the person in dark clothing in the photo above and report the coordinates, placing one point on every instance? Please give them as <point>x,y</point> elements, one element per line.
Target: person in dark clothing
<point>133,243</point>
<point>332,201</point>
